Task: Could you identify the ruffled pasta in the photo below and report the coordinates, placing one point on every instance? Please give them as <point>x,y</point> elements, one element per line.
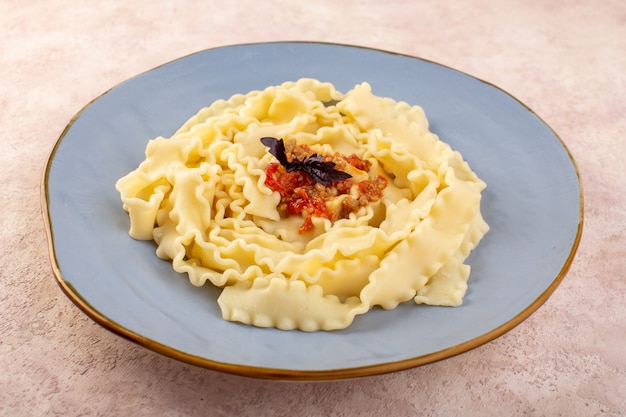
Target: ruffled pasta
<point>201,196</point>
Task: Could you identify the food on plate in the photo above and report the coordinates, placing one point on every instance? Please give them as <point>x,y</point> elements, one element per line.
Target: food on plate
<point>309,206</point>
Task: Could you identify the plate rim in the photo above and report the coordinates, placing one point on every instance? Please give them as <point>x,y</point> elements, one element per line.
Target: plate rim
<point>296,374</point>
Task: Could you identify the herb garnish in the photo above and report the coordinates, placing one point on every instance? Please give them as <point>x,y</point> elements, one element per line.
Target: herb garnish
<point>320,171</point>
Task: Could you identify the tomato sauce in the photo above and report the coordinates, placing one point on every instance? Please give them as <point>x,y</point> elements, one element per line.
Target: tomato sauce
<point>300,195</point>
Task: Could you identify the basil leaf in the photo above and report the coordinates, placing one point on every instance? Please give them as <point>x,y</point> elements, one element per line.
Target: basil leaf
<point>277,148</point>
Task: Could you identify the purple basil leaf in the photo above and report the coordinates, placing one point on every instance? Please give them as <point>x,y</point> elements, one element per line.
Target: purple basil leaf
<point>316,159</point>
<point>277,148</point>
<point>294,166</point>
<point>323,172</point>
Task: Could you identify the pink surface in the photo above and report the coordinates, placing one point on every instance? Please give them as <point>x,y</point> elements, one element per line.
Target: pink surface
<point>566,60</point>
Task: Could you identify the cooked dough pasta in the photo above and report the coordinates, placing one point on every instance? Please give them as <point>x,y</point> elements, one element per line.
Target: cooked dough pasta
<point>201,195</point>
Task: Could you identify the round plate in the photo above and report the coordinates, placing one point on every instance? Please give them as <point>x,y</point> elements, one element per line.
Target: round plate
<point>533,204</point>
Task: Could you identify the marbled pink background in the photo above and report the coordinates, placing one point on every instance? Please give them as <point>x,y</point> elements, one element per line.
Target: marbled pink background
<point>564,59</point>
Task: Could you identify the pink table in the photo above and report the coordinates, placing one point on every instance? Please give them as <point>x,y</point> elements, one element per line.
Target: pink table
<point>566,60</point>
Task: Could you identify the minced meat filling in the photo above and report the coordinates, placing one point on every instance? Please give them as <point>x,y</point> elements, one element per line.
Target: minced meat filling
<point>301,195</point>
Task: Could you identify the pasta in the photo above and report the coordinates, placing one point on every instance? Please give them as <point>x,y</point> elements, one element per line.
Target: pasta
<point>204,197</point>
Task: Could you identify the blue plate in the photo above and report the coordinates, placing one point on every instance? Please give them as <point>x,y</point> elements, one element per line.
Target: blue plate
<point>533,204</point>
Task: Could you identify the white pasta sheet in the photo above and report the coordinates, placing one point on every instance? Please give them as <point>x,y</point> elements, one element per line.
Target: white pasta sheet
<point>201,196</point>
